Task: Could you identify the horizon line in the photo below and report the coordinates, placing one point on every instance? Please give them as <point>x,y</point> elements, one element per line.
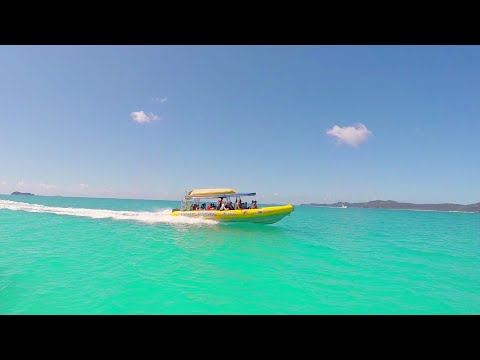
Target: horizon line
<point>298,204</point>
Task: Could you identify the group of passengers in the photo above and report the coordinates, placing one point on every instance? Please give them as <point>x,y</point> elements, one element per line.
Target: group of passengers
<point>224,205</point>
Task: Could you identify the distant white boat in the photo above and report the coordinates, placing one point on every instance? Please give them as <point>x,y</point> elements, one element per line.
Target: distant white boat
<point>343,206</point>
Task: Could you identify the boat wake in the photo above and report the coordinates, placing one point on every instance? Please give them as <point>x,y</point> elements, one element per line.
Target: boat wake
<point>152,217</point>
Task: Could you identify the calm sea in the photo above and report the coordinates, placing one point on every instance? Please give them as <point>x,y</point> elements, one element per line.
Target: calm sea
<point>62,255</point>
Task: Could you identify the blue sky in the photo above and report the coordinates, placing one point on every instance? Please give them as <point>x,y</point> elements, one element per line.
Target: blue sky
<point>293,123</point>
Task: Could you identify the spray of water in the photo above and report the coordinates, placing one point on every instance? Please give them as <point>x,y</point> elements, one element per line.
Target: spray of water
<point>161,216</point>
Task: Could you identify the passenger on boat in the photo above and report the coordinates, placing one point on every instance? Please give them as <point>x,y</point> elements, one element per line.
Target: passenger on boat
<point>204,206</point>
<point>238,204</point>
<point>254,204</point>
<point>219,204</point>
<point>222,205</point>
<point>210,207</point>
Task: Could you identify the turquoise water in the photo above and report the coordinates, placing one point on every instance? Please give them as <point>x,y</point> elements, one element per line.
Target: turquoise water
<point>111,256</point>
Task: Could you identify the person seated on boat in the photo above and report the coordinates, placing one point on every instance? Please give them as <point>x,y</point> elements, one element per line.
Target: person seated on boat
<point>230,206</point>
<point>219,204</point>
<point>237,205</point>
<point>254,204</point>
<point>222,205</point>
<point>203,207</point>
<point>210,207</point>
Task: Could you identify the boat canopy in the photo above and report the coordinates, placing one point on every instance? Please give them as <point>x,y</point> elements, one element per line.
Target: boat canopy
<point>215,193</point>
<point>197,192</point>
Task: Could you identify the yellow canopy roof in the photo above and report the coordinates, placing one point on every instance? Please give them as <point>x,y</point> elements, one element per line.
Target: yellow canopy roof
<point>198,192</point>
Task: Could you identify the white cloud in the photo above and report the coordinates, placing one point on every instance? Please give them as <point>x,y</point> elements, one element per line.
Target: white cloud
<point>160,100</point>
<point>84,186</point>
<point>350,135</point>
<point>275,194</point>
<point>48,186</point>
<point>141,117</point>
<point>3,183</point>
<point>20,183</point>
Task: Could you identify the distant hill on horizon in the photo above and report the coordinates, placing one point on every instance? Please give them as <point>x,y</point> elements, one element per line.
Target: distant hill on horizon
<point>390,204</point>
<point>20,193</point>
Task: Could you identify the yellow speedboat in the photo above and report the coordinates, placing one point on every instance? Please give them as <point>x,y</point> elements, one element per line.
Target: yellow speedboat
<point>191,206</point>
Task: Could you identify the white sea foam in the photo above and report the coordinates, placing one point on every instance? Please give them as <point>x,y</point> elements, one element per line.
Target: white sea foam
<point>161,216</point>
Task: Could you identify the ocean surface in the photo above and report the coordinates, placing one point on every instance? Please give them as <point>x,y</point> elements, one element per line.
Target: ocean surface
<point>62,255</point>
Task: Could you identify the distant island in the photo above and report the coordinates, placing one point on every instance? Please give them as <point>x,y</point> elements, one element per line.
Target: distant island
<point>389,204</point>
<point>20,193</point>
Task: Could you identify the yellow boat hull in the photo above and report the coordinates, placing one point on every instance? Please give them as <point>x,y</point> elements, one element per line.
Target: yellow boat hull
<point>266,215</point>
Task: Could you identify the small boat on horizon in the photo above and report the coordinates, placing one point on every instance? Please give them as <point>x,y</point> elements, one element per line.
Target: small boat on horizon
<point>225,210</point>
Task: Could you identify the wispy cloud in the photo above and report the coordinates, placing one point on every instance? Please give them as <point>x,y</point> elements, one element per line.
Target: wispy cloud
<point>84,186</point>
<point>160,100</point>
<point>20,183</point>
<point>350,135</point>
<point>141,117</point>
<point>275,194</point>
<point>48,186</point>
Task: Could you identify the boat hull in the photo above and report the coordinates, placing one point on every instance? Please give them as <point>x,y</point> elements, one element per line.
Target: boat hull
<point>266,215</point>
